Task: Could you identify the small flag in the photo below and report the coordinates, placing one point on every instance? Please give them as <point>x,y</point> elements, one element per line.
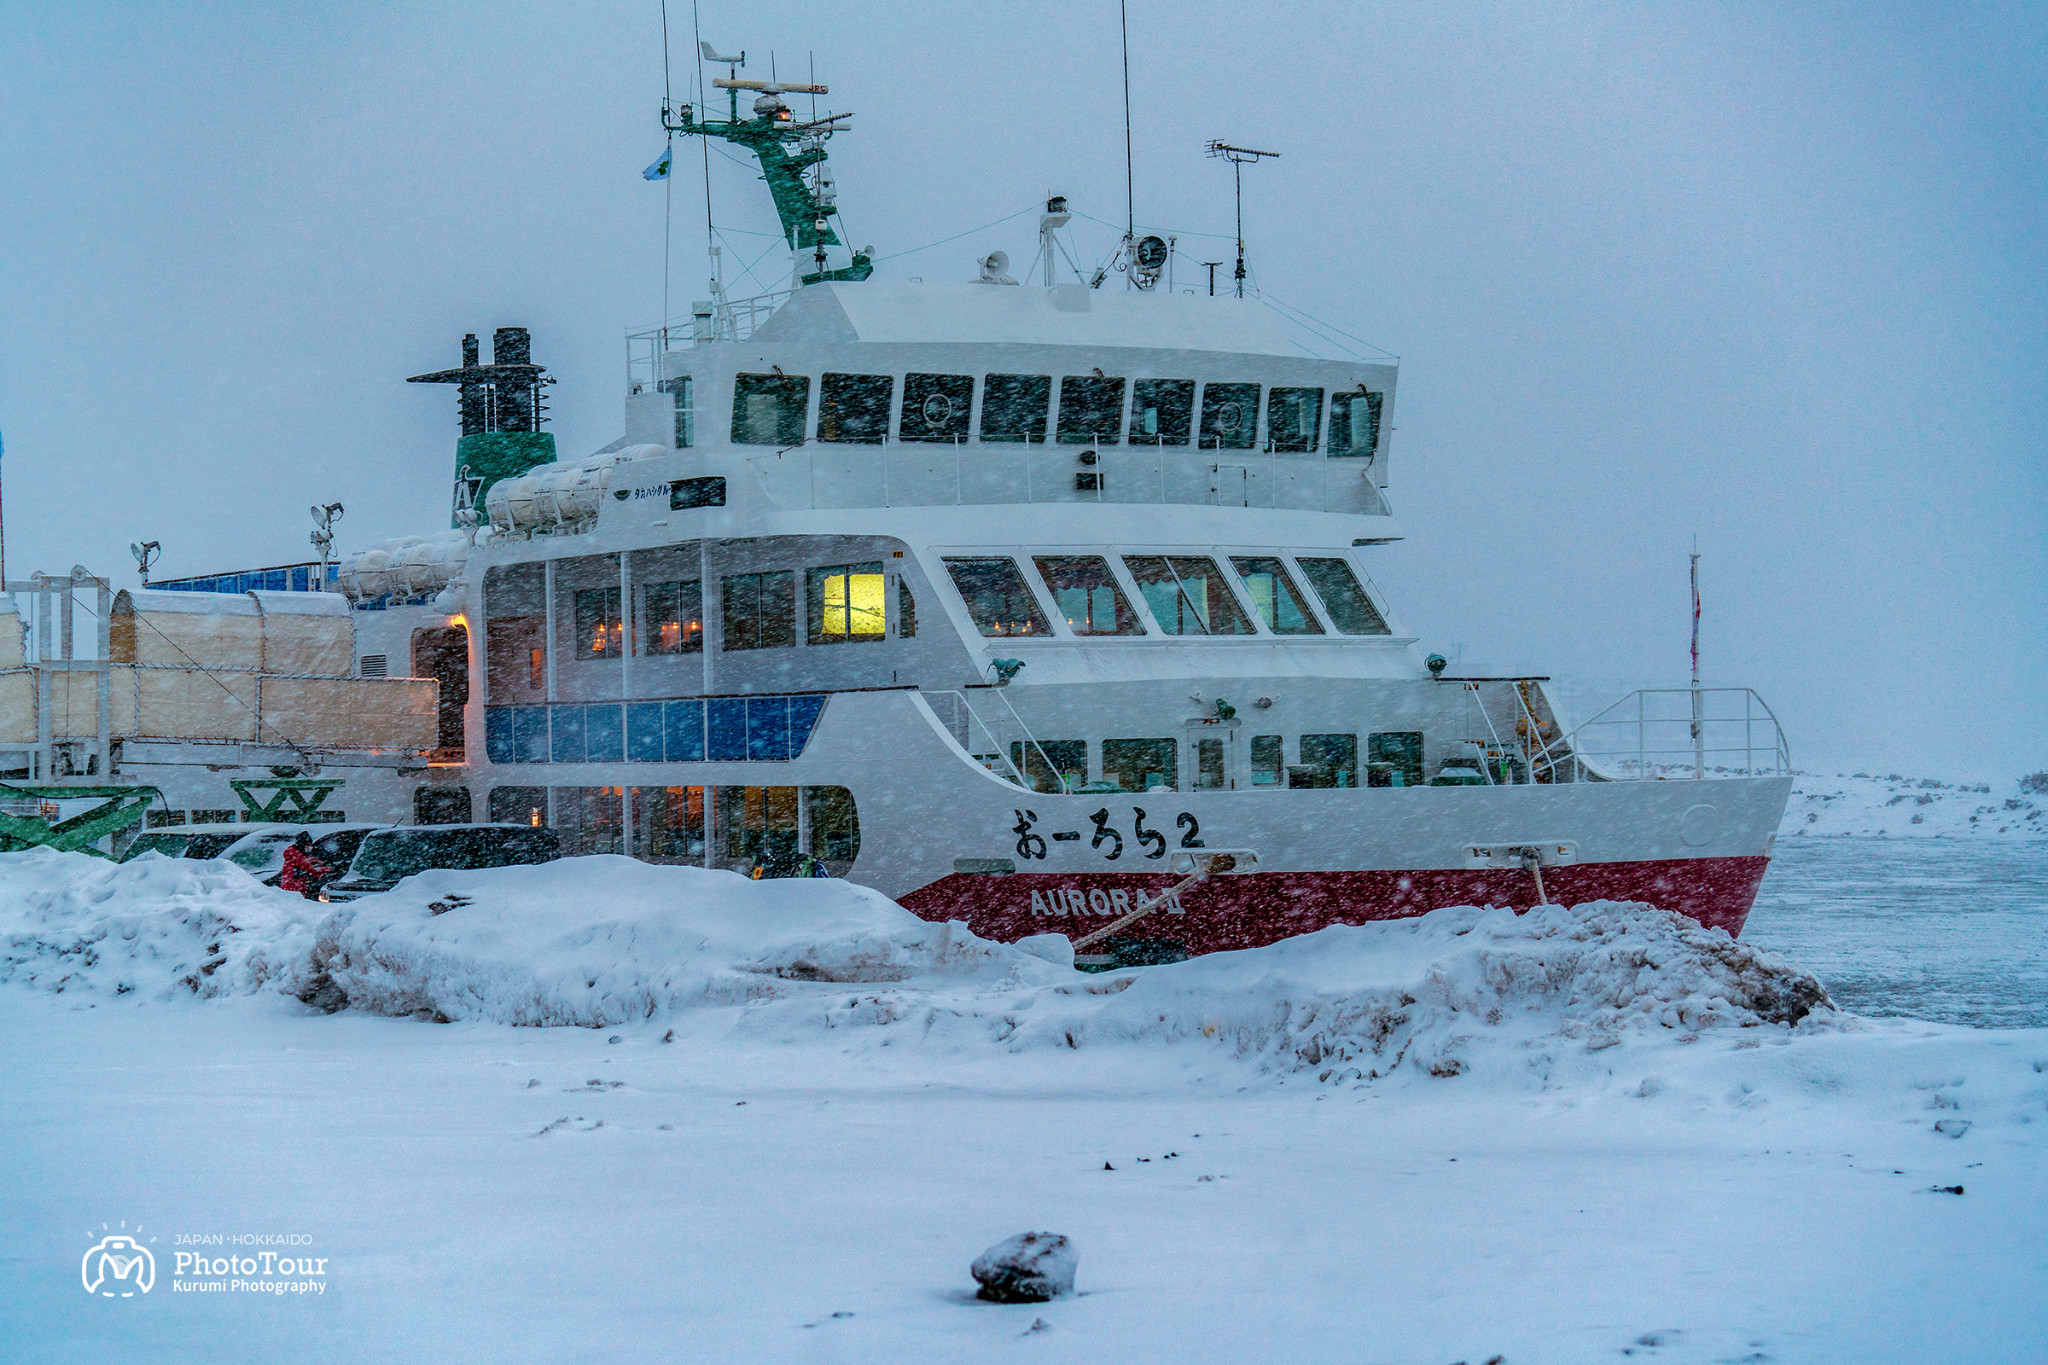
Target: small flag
<point>659,170</point>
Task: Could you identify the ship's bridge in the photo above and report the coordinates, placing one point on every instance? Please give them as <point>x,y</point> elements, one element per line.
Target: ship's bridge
<point>880,394</point>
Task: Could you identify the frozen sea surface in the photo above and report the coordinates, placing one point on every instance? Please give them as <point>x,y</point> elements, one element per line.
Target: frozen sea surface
<point>1944,929</point>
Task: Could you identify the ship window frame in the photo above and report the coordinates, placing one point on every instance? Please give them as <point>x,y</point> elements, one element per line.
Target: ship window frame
<point>1102,385</point>
<point>1127,621</point>
<point>654,601</point>
<point>1248,422</point>
<point>1244,617</point>
<point>919,389</point>
<point>1298,442</point>
<point>1283,583</point>
<point>1037,618</point>
<point>819,607</point>
<point>989,401</point>
<point>1358,582</point>
<point>756,637</point>
<point>748,384</point>
<point>1138,407</point>
<point>848,410</point>
<point>1376,410</point>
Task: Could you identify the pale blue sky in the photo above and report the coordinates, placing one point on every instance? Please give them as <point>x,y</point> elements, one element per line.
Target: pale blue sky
<point>1771,274</point>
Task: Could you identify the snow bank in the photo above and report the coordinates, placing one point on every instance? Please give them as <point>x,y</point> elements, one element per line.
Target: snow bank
<point>605,940</point>
<point>158,927</point>
<point>1359,1002</point>
<point>1893,805</point>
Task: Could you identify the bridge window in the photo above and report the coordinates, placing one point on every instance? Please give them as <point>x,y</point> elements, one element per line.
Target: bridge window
<point>1187,595</point>
<point>1091,410</point>
<point>1230,416</point>
<point>685,394</point>
<point>760,610</point>
<point>1013,407</point>
<point>997,598</point>
<point>599,631</point>
<point>936,407</point>
<point>1274,596</point>
<point>845,603</point>
<point>1355,423</point>
<point>1087,595</point>
<point>1394,760</point>
<point>1209,774</point>
<point>855,408</point>
<point>675,617</point>
<point>769,409</point>
<point>1140,765</point>
<point>1162,411</point>
<point>1327,761</point>
<point>1346,602</point>
<point>1292,418</point>
<point>906,610</point>
<point>1268,766</point>
<point>1049,763</point>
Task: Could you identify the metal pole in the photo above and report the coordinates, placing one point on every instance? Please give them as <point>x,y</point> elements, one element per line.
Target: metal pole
<point>1699,756</point>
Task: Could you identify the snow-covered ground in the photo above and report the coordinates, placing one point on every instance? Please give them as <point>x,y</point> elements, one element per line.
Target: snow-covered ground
<point>1899,806</point>
<point>780,1120</point>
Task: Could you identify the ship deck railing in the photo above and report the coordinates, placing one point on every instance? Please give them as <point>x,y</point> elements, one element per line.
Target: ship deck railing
<point>1655,733</point>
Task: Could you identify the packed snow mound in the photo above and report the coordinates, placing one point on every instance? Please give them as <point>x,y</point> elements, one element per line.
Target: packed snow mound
<point>157,927</point>
<point>1359,1002</point>
<point>604,940</point>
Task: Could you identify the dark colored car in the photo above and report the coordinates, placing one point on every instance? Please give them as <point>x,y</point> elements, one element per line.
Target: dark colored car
<point>389,856</point>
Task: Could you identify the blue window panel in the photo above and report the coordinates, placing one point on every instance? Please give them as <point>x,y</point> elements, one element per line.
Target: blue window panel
<point>498,734</point>
<point>530,734</point>
<point>684,723</point>
<point>604,734</point>
<point>299,579</point>
<point>568,725</point>
<point>768,729</point>
<point>728,726</point>
<point>275,580</point>
<point>643,732</point>
<point>803,714</point>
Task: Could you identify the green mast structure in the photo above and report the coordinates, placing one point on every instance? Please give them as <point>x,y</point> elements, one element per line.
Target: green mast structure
<point>788,148</point>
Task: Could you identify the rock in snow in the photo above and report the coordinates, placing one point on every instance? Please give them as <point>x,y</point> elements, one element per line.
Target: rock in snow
<point>1028,1268</point>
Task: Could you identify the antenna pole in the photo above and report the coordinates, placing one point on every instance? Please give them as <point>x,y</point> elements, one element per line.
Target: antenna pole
<point>1130,193</point>
<point>1699,755</point>
<point>1237,157</point>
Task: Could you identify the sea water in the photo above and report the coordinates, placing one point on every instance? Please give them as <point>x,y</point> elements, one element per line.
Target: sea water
<point>1942,929</point>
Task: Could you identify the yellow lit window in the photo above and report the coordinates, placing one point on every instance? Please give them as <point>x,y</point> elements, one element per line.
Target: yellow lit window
<point>846,603</point>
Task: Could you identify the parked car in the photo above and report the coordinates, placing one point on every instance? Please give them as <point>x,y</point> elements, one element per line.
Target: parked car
<point>257,849</point>
<point>200,841</point>
<point>389,856</point>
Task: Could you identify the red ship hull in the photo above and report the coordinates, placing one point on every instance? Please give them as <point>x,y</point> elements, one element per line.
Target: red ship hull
<point>1248,911</point>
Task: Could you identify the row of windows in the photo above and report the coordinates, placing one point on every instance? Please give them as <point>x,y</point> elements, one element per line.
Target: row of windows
<point>1393,759</point>
<point>285,578</point>
<point>1186,595</point>
<point>760,826</point>
<point>774,410</point>
<point>721,729</point>
<point>844,603</point>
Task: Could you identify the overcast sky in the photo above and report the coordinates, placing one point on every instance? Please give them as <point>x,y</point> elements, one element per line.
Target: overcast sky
<point>1765,273</point>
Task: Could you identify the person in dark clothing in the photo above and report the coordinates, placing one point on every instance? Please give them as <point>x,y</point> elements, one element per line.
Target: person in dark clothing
<point>303,872</point>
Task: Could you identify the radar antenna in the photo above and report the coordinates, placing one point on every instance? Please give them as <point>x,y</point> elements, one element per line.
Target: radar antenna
<point>1237,157</point>
<point>788,148</point>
